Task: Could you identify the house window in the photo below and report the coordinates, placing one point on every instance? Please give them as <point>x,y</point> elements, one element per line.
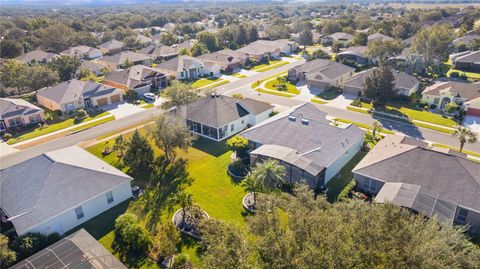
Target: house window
<point>462,216</point>
<point>370,185</point>
<point>79,212</point>
<point>15,122</point>
<point>232,127</point>
<point>35,118</point>
<point>109,197</point>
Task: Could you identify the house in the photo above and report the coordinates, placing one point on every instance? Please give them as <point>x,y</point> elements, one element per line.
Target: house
<point>138,78</point>
<point>268,48</point>
<point>354,54</point>
<point>316,37</point>
<point>340,36</point>
<point>93,67</point>
<point>467,39</point>
<point>159,52</point>
<point>226,62</point>
<point>218,117</point>
<point>187,44</point>
<point>74,94</point>
<point>18,113</point>
<point>442,93</point>
<point>321,73</point>
<point>83,52</point>
<point>59,190</point>
<point>78,250</point>
<point>187,67</point>
<point>468,62</point>
<point>36,56</point>
<point>431,181</point>
<point>144,40</point>
<point>112,47</point>
<point>405,84</point>
<point>235,54</point>
<point>124,59</point>
<point>379,36</point>
<point>306,143</point>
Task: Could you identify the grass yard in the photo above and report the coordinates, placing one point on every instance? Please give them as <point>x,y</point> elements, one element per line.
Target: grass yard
<point>277,93</point>
<point>357,109</point>
<point>469,152</point>
<point>213,85</point>
<point>202,82</point>
<point>212,189</point>
<point>336,185</point>
<point>271,64</point>
<point>258,82</point>
<point>272,85</point>
<point>329,95</point>
<point>470,75</point>
<point>238,75</point>
<point>318,101</point>
<point>50,128</point>
<point>420,115</point>
<point>93,124</point>
<point>364,126</point>
<point>147,106</point>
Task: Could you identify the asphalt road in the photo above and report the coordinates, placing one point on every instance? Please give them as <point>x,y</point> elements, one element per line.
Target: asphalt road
<point>241,86</point>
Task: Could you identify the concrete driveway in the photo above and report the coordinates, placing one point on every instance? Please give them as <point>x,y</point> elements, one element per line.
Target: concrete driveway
<point>123,109</point>
<point>342,101</point>
<point>473,123</point>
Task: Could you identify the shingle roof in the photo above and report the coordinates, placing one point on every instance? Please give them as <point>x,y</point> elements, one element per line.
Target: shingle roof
<point>463,90</point>
<point>91,66</point>
<point>319,68</point>
<point>78,250</point>
<point>36,55</point>
<point>472,57</point>
<point>42,187</point>
<point>379,36</point>
<point>159,51</point>
<point>6,104</point>
<point>453,177</point>
<point>359,51</point>
<point>467,39</point>
<point>341,35</point>
<point>79,51</point>
<point>317,141</point>
<point>264,46</point>
<point>73,90</point>
<point>124,56</point>
<point>218,110</point>
<point>179,63</point>
<point>402,79</point>
<point>112,44</point>
<point>132,76</point>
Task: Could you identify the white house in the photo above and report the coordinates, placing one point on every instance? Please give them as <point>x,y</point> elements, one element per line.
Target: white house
<point>306,143</point>
<point>59,190</point>
<point>218,117</point>
<point>83,52</point>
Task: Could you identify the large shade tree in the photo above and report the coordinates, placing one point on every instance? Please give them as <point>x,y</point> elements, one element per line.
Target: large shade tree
<point>178,94</point>
<point>432,44</point>
<point>380,85</point>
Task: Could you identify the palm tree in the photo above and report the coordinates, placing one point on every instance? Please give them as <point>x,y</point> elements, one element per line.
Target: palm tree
<point>251,185</point>
<point>376,127</point>
<point>464,135</point>
<point>268,175</point>
<point>185,201</point>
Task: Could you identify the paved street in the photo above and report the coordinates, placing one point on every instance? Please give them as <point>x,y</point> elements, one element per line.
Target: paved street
<point>243,87</point>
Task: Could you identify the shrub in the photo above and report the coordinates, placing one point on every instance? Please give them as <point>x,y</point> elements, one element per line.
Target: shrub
<point>282,87</point>
<point>131,235</point>
<point>357,103</point>
<point>237,96</point>
<point>346,190</point>
<point>165,241</point>
<point>433,106</point>
<point>6,136</point>
<point>273,113</point>
<point>181,261</point>
<point>58,113</point>
<point>30,243</point>
<point>7,256</point>
<point>238,144</point>
<point>451,107</point>
<point>454,74</point>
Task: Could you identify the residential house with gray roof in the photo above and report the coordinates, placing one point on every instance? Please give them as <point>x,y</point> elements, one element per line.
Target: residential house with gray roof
<point>186,67</point>
<point>468,62</point>
<point>354,54</point>
<point>112,47</point>
<point>431,181</point>
<point>218,117</point>
<point>226,62</point>
<point>36,56</point>
<point>339,36</point>
<point>83,52</point>
<point>303,140</point>
<point>73,94</point>
<point>321,73</point>
<point>17,113</point>
<point>467,39</point>
<point>78,250</point>
<point>138,78</point>
<point>405,84</point>
<point>59,190</point>
<point>379,36</point>
<point>124,59</point>
<point>271,48</point>
<point>159,52</point>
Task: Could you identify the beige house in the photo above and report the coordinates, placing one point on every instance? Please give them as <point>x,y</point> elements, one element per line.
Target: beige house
<point>17,113</point>
<point>442,93</point>
<point>74,94</point>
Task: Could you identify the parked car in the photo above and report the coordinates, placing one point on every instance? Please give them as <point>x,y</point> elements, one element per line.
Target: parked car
<point>149,96</point>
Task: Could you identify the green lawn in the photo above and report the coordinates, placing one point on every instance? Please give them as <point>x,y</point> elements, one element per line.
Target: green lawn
<point>258,82</point>
<point>318,101</point>
<point>201,82</point>
<point>277,93</point>
<point>238,75</point>
<point>271,64</point>
<point>364,126</point>
<point>336,185</point>
<point>212,189</point>
<point>471,75</point>
<point>329,95</point>
<point>473,153</point>
<point>50,128</point>
<point>357,109</point>
<point>147,106</point>
<point>216,84</point>
<point>93,124</point>
<point>272,85</point>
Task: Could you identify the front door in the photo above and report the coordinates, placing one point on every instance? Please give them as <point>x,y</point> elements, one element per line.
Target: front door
<point>88,103</point>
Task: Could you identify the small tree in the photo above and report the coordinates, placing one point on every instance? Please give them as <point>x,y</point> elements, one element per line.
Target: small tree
<point>7,256</point>
<point>178,94</point>
<point>376,127</point>
<point>306,38</point>
<point>181,261</point>
<point>131,235</point>
<point>185,201</point>
<point>238,144</point>
<point>170,134</point>
<point>251,185</point>
<point>166,240</point>
<point>464,135</point>
<point>268,175</point>
<point>120,146</point>
<point>139,156</point>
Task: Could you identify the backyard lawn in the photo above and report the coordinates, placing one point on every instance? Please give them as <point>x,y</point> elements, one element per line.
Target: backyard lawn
<point>273,86</point>
<point>50,128</point>
<point>212,189</point>
<point>336,185</point>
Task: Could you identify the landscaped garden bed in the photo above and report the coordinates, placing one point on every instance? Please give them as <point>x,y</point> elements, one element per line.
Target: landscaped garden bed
<point>282,85</point>
<point>248,202</point>
<point>188,224</point>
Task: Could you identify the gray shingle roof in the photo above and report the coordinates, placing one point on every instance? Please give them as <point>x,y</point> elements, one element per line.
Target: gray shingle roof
<point>124,56</point>
<point>317,141</point>
<point>379,36</point>
<point>37,55</point>
<point>319,68</point>
<point>78,250</point>
<point>453,177</point>
<point>73,90</point>
<point>465,90</point>
<point>217,111</point>
<point>6,104</point>
<point>341,35</point>
<point>79,51</point>
<point>402,79</point>
<point>359,51</point>
<point>179,63</point>
<point>472,57</point>
<point>159,51</point>
<point>112,44</point>
<point>132,76</point>
<point>40,188</point>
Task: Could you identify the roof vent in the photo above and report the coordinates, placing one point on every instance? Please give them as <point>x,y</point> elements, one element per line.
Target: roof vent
<point>212,95</point>
<point>305,121</point>
<point>292,118</point>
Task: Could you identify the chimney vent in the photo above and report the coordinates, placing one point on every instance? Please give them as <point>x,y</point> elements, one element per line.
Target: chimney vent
<point>305,121</point>
<point>292,118</point>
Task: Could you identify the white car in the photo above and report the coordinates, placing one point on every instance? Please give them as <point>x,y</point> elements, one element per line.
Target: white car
<point>149,96</point>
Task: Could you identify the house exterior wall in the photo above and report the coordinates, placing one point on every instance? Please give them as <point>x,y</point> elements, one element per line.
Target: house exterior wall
<point>347,155</point>
<point>367,185</point>
<point>214,70</point>
<point>473,219</point>
<point>52,105</point>
<point>24,119</point>
<point>437,99</point>
<point>352,90</point>
<point>319,84</point>
<point>92,208</point>
<point>408,92</point>
<point>109,98</point>
<point>256,119</point>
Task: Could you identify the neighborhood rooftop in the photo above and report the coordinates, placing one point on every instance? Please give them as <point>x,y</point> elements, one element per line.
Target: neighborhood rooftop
<point>42,187</point>
<point>463,90</point>
<point>6,104</point>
